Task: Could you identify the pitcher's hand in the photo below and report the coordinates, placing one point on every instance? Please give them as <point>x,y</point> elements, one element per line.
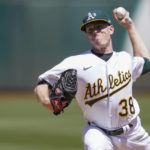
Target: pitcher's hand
<point>126,22</point>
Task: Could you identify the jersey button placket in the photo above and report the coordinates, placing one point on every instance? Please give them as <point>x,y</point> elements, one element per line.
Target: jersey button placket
<point>109,102</point>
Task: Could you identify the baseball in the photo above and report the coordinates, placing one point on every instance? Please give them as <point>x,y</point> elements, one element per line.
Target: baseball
<point>121,12</point>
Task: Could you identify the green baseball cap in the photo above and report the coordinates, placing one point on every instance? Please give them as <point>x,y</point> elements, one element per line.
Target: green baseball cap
<point>94,16</point>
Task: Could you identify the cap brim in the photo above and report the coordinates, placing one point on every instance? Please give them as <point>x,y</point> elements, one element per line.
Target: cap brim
<point>82,28</point>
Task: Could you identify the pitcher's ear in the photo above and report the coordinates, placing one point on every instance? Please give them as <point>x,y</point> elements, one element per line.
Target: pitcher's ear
<point>111,29</point>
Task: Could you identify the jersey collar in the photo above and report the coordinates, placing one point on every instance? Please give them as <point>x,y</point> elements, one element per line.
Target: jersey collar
<point>105,57</point>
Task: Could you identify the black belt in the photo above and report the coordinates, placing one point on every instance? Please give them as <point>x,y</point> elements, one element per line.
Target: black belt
<point>113,132</point>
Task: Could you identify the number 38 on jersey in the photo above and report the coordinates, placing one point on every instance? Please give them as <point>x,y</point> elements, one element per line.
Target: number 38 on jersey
<point>127,107</point>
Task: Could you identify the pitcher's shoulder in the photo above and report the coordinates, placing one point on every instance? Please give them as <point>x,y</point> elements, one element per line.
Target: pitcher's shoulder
<point>122,54</point>
<point>80,57</point>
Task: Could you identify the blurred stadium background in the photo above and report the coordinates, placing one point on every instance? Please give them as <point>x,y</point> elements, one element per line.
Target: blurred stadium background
<point>34,36</point>
<point>37,34</point>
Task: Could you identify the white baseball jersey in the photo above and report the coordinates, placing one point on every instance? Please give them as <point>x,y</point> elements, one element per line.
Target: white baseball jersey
<point>104,87</point>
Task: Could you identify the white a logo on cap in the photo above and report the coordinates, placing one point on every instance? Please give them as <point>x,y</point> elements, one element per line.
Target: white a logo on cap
<point>91,16</point>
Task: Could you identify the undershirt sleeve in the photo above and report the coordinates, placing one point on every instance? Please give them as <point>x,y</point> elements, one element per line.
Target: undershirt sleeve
<point>44,82</point>
<point>146,67</point>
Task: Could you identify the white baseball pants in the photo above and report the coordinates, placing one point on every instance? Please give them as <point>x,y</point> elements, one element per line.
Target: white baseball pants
<point>135,139</point>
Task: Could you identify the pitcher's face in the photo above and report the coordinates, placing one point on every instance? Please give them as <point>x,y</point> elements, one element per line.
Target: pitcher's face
<point>99,34</point>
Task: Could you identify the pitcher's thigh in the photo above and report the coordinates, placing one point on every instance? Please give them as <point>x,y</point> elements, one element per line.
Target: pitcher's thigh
<point>139,141</point>
<point>95,139</point>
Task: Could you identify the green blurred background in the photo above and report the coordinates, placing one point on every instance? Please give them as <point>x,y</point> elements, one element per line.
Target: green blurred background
<point>34,36</point>
<point>37,34</point>
<point>26,125</point>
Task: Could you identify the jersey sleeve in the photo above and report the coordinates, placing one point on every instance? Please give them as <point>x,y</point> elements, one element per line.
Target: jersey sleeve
<point>137,67</point>
<point>52,75</point>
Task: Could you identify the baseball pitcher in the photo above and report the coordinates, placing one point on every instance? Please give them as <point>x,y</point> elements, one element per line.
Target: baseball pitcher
<point>101,80</point>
